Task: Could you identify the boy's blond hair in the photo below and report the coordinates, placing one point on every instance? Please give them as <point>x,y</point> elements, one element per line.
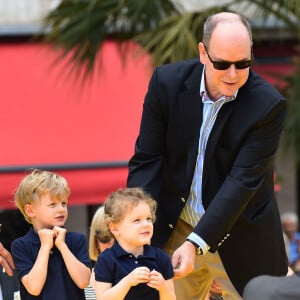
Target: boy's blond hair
<point>37,183</point>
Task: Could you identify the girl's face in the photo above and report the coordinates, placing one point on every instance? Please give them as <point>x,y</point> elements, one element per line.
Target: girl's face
<point>47,212</point>
<point>135,229</point>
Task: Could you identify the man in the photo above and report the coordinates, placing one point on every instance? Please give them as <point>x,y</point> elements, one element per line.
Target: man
<point>273,288</point>
<point>205,152</point>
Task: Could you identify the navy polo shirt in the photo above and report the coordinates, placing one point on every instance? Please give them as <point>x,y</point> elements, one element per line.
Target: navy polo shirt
<point>115,263</point>
<point>58,285</point>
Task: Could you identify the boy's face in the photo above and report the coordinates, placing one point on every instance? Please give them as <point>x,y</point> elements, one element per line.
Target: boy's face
<point>47,212</point>
<point>135,229</point>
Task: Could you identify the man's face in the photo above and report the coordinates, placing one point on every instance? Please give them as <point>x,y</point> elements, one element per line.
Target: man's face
<point>229,42</point>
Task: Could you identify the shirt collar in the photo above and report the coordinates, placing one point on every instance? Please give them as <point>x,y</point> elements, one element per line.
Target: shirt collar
<point>119,251</point>
<point>34,238</point>
<point>204,95</point>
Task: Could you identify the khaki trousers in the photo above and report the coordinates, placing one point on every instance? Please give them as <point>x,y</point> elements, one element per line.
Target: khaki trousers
<point>196,285</point>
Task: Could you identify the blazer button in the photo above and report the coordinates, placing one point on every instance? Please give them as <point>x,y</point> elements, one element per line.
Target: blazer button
<point>171,226</point>
<point>183,200</point>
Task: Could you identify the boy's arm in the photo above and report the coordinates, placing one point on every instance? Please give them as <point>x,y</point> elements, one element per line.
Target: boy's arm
<point>105,290</point>
<point>78,271</point>
<point>35,279</point>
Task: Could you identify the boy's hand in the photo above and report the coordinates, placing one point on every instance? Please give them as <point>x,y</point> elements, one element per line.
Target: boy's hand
<point>46,237</point>
<point>59,236</point>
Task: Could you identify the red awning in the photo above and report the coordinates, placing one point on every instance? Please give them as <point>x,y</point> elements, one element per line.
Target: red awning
<point>275,73</point>
<point>47,118</point>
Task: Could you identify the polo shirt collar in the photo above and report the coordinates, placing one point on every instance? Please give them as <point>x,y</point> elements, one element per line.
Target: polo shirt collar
<point>33,236</point>
<point>149,251</point>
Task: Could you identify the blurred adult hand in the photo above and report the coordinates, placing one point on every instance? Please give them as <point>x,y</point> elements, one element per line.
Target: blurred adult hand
<point>6,260</point>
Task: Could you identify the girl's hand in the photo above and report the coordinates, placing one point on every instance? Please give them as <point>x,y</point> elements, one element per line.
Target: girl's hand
<point>139,275</point>
<point>156,280</point>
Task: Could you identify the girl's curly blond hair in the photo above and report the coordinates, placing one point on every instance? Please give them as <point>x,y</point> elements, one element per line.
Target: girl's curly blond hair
<point>119,202</point>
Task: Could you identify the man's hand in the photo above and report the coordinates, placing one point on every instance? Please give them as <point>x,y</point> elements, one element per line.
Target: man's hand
<point>183,260</point>
<point>6,260</point>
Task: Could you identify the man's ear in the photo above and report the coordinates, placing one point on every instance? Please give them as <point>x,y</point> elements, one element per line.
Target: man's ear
<point>29,211</point>
<point>202,52</point>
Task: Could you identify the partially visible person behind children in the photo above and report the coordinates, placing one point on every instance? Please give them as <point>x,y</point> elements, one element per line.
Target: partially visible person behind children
<point>9,285</point>
<point>132,268</point>
<point>290,223</point>
<point>51,263</point>
<point>215,291</point>
<point>100,239</point>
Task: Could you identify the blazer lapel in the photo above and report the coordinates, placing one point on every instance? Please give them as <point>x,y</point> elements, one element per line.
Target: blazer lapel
<point>190,109</point>
<point>222,118</point>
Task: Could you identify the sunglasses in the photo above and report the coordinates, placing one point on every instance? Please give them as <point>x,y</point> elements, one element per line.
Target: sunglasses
<point>103,236</point>
<point>224,65</point>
